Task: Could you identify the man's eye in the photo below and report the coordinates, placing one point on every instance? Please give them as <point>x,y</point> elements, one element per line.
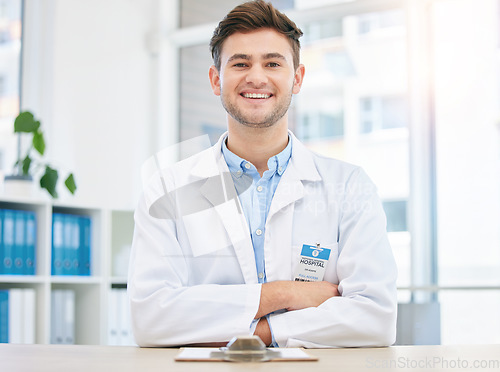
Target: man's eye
<point>240,65</point>
<point>273,64</point>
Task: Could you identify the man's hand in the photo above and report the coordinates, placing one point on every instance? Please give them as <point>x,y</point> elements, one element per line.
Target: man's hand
<point>292,295</point>
<point>263,331</point>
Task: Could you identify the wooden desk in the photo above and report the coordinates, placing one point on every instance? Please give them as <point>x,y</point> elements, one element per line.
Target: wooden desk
<point>55,358</point>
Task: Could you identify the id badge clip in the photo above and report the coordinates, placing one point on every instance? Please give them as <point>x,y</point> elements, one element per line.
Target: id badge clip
<point>312,263</point>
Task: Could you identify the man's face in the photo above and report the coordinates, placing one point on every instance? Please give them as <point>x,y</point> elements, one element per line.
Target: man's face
<point>256,78</point>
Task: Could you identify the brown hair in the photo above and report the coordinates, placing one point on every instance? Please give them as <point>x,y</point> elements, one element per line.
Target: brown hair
<point>251,16</point>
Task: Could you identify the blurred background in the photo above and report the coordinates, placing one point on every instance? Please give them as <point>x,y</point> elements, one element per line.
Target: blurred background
<point>407,89</point>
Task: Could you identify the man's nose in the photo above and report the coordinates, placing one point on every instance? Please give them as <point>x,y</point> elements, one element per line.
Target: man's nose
<point>256,76</point>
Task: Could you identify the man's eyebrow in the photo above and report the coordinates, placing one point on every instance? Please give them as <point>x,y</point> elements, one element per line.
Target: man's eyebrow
<point>239,56</point>
<point>274,56</point>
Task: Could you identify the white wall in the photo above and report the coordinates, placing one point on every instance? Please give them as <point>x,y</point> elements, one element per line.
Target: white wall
<point>88,77</point>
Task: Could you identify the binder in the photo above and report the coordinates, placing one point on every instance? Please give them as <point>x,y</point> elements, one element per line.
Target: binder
<point>19,242</point>
<point>1,242</point>
<point>30,254</point>
<point>62,329</point>
<point>16,315</point>
<point>29,301</point>
<point>4,316</point>
<point>85,245</point>
<point>67,242</point>
<point>57,243</point>
<point>8,240</point>
<point>73,250</point>
<point>68,317</point>
<point>113,316</point>
<point>56,317</point>
<point>126,337</point>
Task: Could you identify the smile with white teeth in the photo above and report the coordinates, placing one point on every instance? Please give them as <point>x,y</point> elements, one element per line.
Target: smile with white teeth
<point>256,95</point>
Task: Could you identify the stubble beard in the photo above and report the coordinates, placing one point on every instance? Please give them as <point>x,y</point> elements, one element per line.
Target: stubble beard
<point>252,121</point>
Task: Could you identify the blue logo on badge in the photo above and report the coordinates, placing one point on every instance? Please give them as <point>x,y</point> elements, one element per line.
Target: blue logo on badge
<point>315,252</point>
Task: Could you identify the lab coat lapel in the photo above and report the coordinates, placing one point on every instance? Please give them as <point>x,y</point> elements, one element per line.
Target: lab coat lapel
<point>291,187</point>
<point>219,190</point>
<point>289,190</point>
<point>300,169</point>
<point>279,226</point>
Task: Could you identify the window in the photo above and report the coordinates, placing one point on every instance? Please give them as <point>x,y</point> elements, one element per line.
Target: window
<point>371,22</point>
<point>378,113</point>
<point>396,213</point>
<point>195,12</point>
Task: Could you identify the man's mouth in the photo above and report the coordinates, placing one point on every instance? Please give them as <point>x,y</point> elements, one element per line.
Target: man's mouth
<point>256,95</point>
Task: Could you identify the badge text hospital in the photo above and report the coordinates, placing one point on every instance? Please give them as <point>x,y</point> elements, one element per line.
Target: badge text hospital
<point>312,264</point>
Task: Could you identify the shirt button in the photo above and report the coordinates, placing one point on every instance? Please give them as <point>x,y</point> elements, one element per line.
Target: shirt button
<point>280,169</point>
<point>258,232</point>
<point>259,188</point>
<point>238,173</point>
<point>261,275</point>
<point>247,165</point>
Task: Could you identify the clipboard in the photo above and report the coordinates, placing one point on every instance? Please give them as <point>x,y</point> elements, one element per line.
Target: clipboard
<point>208,354</point>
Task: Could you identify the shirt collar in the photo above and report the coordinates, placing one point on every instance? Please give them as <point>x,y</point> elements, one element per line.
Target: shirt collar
<point>279,162</point>
<point>276,163</point>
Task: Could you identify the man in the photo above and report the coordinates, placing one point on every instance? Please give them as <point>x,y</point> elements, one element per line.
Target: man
<point>279,242</point>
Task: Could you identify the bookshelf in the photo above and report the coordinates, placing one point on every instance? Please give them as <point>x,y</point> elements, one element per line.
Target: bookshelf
<point>111,236</point>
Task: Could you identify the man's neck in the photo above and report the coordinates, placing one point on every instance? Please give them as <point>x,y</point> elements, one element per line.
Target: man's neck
<point>257,145</point>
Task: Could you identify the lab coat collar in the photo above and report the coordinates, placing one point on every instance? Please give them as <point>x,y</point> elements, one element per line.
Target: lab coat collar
<point>302,161</point>
<point>291,187</point>
<point>212,161</point>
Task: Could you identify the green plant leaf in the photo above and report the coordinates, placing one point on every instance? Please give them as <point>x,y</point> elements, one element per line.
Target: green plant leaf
<point>26,165</point>
<point>25,122</point>
<point>70,183</point>
<point>39,142</point>
<point>49,181</point>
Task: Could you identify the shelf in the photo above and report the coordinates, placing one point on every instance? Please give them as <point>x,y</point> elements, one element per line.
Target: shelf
<point>69,279</point>
<point>35,279</point>
<point>111,237</point>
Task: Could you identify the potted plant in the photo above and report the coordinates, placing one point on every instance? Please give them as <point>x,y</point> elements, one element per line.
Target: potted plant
<point>30,164</point>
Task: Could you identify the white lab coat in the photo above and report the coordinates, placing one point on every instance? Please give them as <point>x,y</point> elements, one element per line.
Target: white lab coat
<point>193,278</point>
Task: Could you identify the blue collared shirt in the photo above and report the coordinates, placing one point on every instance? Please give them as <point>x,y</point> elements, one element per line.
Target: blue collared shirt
<point>255,194</point>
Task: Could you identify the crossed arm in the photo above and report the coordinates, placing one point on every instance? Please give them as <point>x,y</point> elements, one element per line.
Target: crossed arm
<point>290,295</point>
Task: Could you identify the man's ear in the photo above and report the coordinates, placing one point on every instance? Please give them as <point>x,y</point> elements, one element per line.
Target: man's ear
<point>298,79</point>
<point>213,75</point>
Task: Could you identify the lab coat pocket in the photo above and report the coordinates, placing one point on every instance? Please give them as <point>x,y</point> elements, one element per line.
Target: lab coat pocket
<point>214,228</point>
<point>331,266</point>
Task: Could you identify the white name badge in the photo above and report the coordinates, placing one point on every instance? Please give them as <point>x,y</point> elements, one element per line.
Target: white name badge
<point>312,263</point>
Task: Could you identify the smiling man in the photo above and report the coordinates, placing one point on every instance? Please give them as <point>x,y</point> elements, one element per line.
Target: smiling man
<point>295,251</point>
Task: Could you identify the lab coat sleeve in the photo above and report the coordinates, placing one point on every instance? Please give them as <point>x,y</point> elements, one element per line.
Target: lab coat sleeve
<point>365,313</point>
<point>166,310</point>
